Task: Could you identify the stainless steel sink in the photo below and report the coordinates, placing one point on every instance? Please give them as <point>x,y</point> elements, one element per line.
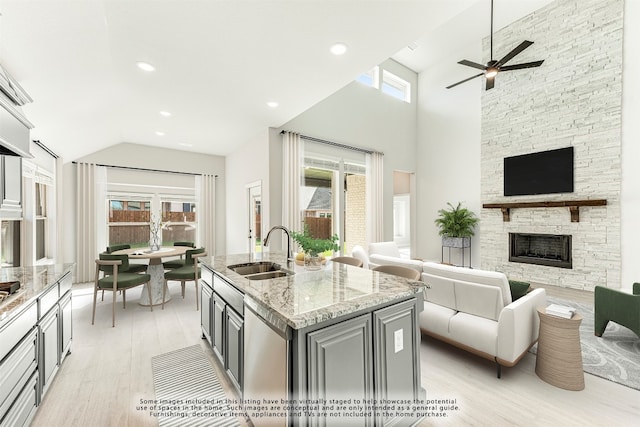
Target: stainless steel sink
<point>254,267</point>
<point>269,275</point>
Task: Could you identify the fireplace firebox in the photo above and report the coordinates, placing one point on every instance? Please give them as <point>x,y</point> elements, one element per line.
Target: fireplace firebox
<point>541,249</point>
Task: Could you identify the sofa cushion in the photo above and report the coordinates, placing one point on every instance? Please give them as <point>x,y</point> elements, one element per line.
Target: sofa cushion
<point>473,331</point>
<point>435,318</point>
<point>378,259</point>
<point>384,248</point>
<point>440,291</point>
<point>359,252</point>
<point>479,300</point>
<point>483,277</point>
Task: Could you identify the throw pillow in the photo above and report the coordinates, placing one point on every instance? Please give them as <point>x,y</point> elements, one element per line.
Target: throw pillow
<point>518,289</point>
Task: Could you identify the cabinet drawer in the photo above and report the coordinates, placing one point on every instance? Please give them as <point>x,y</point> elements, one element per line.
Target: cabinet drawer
<point>206,275</point>
<point>16,369</point>
<point>47,300</point>
<point>16,329</point>
<point>229,294</point>
<point>65,284</point>
<point>24,408</point>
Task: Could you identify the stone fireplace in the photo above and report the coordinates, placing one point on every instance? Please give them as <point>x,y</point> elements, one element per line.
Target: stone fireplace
<point>540,249</point>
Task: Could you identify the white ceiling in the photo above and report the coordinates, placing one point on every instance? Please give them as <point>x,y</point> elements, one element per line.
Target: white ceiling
<point>218,62</point>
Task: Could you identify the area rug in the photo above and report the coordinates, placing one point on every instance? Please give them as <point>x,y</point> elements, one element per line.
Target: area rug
<point>615,356</point>
<point>188,391</point>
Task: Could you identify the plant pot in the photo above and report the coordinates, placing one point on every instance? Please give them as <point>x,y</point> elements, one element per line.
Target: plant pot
<point>456,242</point>
<point>312,262</point>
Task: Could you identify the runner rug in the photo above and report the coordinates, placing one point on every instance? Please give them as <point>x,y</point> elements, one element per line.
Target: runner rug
<point>187,388</point>
<point>615,356</point>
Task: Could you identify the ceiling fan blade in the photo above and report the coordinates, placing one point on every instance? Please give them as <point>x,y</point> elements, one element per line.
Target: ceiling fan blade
<point>522,46</point>
<point>490,82</point>
<point>472,64</point>
<point>465,80</point>
<point>521,66</point>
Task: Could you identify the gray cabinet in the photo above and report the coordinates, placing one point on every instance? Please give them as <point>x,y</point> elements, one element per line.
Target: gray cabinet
<point>66,327</point>
<point>11,185</point>
<point>397,345</point>
<point>340,365</point>
<point>206,298</point>
<point>218,309</point>
<point>234,346</point>
<point>49,352</point>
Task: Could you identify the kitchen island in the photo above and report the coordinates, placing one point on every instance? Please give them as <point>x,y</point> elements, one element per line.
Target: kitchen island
<point>337,346</point>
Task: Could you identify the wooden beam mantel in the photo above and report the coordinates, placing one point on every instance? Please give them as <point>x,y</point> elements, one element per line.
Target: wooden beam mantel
<point>573,205</point>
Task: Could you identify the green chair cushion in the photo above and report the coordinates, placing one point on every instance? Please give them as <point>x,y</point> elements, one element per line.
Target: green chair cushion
<point>108,270</point>
<point>183,273</point>
<point>518,289</point>
<point>125,280</point>
<point>137,268</point>
<point>114,248</point>
<point>190,244</point>
<point>175,263</point>
<point>188,260</point>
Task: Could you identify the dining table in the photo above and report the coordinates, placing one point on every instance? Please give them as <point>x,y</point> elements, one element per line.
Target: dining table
<point>155,270</point>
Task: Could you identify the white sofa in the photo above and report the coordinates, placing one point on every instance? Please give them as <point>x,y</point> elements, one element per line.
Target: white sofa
<point>472,309</point>
<point>384,253</point>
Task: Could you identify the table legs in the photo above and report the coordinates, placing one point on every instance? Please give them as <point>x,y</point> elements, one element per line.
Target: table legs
<point>156,270</point>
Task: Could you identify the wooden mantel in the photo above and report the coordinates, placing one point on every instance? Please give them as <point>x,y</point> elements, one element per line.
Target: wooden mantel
<point>573,205</point>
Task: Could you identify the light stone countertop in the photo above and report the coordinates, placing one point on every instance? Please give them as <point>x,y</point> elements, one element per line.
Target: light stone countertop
<point>34,280</point>
<point>310,297</point>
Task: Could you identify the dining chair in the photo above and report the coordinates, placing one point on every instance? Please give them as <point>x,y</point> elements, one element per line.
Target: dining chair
<point>177,263</point>
<point>397,270</point>
<point>348,260</point>
<point>116,278</point>
<point>133,267</point>
<point>190,271</point>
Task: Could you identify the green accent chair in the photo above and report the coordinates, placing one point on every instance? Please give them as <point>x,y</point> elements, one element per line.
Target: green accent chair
<point>133,267</point>
<point>177,263</point>
<point>190,271</point>
<point>616,306</point>
<point>115,277</point>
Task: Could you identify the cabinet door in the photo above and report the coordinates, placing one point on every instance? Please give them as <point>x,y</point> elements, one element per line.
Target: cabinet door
<point>339,365</point>
<point>66,332</point>
<point>397,357</point>
<point>218,327</point>
<point>11,191</point>
<point>235,347</point>
<point>48,348</point>
<point>206,296</point>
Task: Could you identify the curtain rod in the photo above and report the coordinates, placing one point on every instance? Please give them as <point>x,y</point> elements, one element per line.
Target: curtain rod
<point>336,144</point>
<point>145,169</point>
<point>45,148</point>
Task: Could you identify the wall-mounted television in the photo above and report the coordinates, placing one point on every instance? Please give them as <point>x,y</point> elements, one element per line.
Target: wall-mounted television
<point>544,172</point>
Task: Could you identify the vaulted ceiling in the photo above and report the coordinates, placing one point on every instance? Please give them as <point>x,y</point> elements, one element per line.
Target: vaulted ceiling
<point>217,63</point>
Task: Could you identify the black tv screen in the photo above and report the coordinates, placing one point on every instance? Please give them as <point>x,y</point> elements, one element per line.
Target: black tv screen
<point>545,172</point>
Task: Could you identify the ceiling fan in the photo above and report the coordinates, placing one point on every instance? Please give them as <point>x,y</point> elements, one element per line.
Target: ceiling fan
<point>493,67</point>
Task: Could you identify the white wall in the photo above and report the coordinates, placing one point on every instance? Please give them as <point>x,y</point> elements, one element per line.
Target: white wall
<point>448,150</point>
<point>630,191</point>
<point>248,164</point>
<point>363,116</point>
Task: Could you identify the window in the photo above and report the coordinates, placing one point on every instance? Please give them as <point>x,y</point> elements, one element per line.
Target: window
<point>41,221</point>
<point>370,78</point>
<point>179,218</point>
<point>395,86</point>
<point>128,222</point>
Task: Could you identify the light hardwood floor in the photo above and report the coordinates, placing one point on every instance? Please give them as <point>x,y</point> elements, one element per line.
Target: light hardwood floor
<point>109,371</point>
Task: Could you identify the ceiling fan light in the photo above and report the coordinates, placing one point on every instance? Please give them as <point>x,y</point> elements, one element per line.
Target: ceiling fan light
<point>491,72</point>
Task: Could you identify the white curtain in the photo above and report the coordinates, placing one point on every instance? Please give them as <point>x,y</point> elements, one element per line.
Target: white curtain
<point>206,212</point>
<point>291,163</point>
<point>90,218</point>
<point>375,184</point>
<point>59,214</point>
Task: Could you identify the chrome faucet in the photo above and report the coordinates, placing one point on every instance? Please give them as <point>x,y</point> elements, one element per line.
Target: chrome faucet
<point>286,231</point>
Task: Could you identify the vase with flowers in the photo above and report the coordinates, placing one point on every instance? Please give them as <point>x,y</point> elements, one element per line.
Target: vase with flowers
<point>155,225</point>
<point>313,248</point>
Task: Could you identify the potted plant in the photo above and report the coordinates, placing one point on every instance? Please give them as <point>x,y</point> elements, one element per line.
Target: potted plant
<point>456,226</point>
<point>313,247</point>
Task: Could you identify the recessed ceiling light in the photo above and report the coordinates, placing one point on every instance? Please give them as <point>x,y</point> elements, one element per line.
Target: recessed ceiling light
<point>338,48</point>
<point>159,133</point>
<point>165,113</point>
<point>185,144</point>
<point>272,104</point>
<point>145,66</point>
